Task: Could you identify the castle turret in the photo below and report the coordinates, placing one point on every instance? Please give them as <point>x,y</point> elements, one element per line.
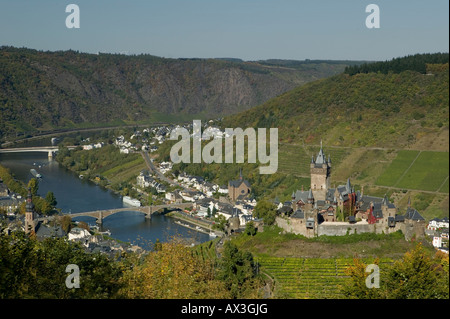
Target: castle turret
<point>348,186</point>
<point>310,197</point>
<point>320,170</point>
<point>385,201</point>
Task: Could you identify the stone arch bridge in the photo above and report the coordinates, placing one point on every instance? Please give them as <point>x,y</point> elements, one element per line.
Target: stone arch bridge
<point>147,210</point>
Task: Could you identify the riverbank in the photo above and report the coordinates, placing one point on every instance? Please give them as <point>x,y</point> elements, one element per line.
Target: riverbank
<point>205,227</point>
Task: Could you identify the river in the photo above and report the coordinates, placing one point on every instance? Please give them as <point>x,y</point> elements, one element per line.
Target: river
<point>76,195</point>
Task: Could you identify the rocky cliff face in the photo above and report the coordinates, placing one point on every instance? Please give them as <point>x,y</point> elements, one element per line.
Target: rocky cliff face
<point>47,90</point>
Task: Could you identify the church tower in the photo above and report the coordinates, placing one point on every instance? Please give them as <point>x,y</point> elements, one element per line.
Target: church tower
<point>30,223</point>
<point>320,170</point>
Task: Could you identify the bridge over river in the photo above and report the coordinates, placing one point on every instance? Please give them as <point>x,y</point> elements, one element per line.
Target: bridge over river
<point>147,210</point>
<point>51,150</point>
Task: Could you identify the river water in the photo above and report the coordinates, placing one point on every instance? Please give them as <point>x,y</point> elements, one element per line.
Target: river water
<point>75,195</point>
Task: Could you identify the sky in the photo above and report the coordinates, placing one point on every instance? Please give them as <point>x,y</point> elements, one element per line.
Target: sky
<point>246,29</point>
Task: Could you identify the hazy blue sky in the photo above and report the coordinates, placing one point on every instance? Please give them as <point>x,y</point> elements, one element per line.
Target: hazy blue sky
<point>247,29</point>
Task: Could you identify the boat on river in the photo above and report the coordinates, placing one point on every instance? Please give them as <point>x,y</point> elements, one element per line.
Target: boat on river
<point>131,201</point>
<point>35,173</point>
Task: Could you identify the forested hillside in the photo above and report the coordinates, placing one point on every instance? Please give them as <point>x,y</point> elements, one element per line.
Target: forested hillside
<point>408,109</point>
<point>50,90</point>
<point>417,62</point>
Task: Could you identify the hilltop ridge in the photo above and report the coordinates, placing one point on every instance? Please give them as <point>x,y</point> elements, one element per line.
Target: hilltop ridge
<point>399,110</point>
<point>44,91</point>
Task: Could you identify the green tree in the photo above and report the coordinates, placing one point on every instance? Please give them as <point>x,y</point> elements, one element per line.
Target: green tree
<point>265,210</point>
<point>239,272</point>
<point>418,275</point>
<point>339,214</point>
<point>220,222</point>
<point>33,184</point>
<point>41,205</point>
<point>250,229</point>
<point>150,199</point>
<point>51,199</point>
<point>35,269</point>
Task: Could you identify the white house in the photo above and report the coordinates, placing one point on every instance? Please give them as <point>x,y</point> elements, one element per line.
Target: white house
<point>144,181</point>
<point>78,233</point>
<point>225,214</point>
<point>165,167</point>
<point>188,196</point>
<point>170,196</point>
<point>99,145</point>
<point>437,223</point>
<point>437,242</point>
<point>223,189</point>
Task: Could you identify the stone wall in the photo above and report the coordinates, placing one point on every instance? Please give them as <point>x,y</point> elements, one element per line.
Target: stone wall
<point>294,225</point>
<point>298,226</point>
<point>412,229</point>
<point>342,229</point>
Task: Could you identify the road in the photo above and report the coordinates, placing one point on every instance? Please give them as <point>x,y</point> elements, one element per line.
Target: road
<point>160,175</point>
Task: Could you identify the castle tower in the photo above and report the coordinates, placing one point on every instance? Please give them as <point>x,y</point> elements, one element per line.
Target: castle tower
<point>320,170</point>
<point>388,209</point>
<point>30,223</point>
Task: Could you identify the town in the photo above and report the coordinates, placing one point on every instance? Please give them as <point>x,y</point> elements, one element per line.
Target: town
<point>226,210</point>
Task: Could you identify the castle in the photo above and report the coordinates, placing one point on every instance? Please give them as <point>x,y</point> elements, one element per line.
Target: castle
<point>323,210</point>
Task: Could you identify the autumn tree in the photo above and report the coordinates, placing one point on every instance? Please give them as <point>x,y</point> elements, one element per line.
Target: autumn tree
<point>66,222</point>
<point>172,272</point>
<point>418,275</point>
<point>355,287</point>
